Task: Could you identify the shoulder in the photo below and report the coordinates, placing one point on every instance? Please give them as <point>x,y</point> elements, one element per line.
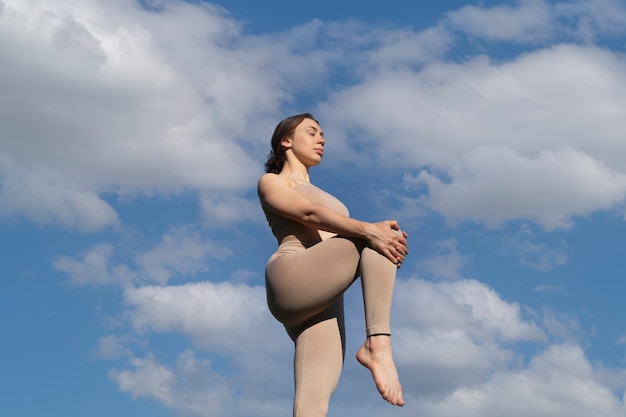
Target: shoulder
<point>271,181</point>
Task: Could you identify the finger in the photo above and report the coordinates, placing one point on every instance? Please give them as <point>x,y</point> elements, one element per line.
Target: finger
<point>399,257</point>
<point>390,256</point>
<point>401,237</point>
<point>399,254</point>
<point>402,247</point>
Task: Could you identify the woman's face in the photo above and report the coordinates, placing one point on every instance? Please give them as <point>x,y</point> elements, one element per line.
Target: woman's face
<point>307,142</point>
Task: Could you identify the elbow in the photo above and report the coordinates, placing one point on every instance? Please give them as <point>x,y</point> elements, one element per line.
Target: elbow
<point>311,215</point>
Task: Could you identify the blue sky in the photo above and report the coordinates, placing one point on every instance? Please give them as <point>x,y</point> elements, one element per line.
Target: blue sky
<point>131,138</point>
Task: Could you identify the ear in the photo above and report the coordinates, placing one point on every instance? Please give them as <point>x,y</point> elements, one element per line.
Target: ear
<point>286,143</point>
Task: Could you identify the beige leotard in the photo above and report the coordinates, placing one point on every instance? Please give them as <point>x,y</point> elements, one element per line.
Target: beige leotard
<point>305,281</point>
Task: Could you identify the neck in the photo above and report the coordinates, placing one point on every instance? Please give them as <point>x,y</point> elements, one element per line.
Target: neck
<point>295,171</point>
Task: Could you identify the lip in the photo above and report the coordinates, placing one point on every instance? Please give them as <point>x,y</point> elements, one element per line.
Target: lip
<point>320,151</point>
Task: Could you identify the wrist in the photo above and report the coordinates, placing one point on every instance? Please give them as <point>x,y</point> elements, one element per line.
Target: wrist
<point>366,231</point>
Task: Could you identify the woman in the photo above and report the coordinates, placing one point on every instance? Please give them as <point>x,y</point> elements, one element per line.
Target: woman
<point>321,252</point>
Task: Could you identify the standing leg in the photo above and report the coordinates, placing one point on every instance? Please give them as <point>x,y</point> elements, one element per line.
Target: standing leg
<point>318,362</point>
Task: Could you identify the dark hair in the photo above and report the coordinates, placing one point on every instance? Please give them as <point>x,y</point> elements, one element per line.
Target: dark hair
<point>284,129</point>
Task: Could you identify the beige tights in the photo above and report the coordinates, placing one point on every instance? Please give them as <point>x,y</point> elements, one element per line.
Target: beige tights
<point>305,292</point>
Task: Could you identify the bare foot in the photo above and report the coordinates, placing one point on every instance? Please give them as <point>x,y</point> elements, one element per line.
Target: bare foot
<point>376,355</point>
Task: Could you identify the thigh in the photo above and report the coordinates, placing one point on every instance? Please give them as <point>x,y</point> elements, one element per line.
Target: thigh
<point>305,283</point>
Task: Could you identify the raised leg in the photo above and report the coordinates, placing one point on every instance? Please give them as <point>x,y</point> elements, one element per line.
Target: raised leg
<point>378,280</point>
<point>378,277</point>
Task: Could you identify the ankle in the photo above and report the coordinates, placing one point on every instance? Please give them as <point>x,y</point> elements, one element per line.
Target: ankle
<point>378,342</point>
<point>379,334</point>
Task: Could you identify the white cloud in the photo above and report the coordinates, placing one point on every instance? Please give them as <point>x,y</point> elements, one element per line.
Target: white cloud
<point>453,341</point>
<point>45,197</point>
<point>244,275</point>
<point>453,334</point>
<point>446,262</point>
<point>224,319</point>
<point>109,97</point>
<point>530,253</point>
<point>94,267</point>
<point>223,210</point>
<point>536,21</point>
<point>612,378</point>
<point>149,379</point>
<point>405,47</point>
<point>128,100</point>
<point>181,252</point>
<point>551,188</point>
<point>192,387</point>
<point>437,362</point>
<point>447,335</point>
<point>466,305</point>
<point>536,138</point>
<point>559,382</point>
<point>561,326</point>
<point>112,347</point>
<point>594,18</point>
<point>527,21</point>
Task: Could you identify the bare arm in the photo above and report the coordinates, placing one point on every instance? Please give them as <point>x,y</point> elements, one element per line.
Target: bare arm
<point>276,194</point>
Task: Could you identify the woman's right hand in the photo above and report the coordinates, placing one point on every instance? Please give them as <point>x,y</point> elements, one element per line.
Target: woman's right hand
<point>387,238</point>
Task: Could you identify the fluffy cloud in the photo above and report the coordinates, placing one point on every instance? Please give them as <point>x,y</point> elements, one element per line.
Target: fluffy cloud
<point>44,196</point>
<point>119,99</point>
<point>193,387</point>
<point>527,21</point>
<point>223,319</point>
<point>535,138</point>
<point>594,17</point>
<point>466,305</point>
<point>220,209</point>
<point>130,100</point>
<point>445,263</point>
<point>94,267</point>
<point>555,187</point>
<point>453,334</point>
<point>531,253</point>
<point>559,382</point>
<point>181,252</point>
<point>454,345</point>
